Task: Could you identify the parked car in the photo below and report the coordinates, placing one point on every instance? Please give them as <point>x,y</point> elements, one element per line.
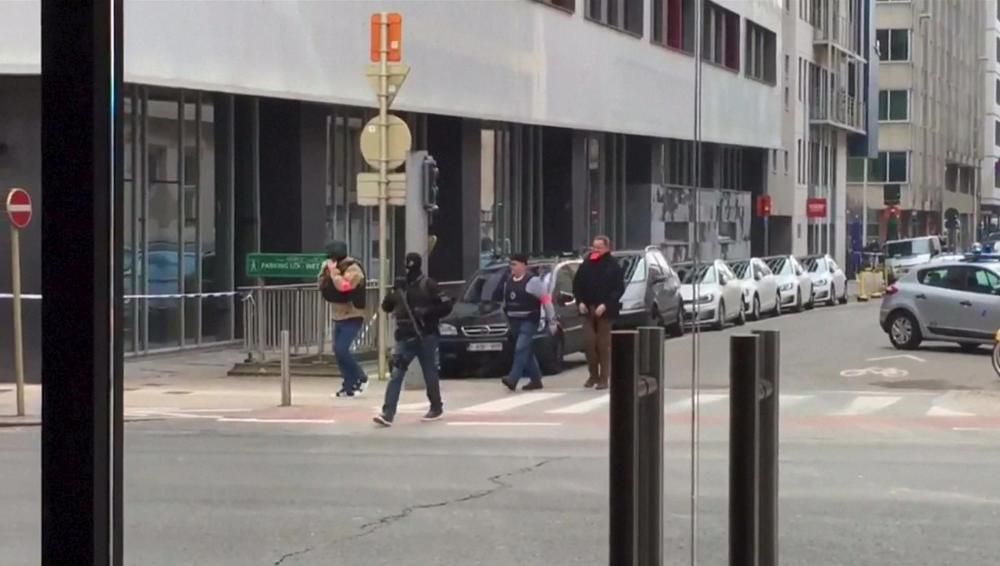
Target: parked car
<point>652,291</point>
<point>760,288</point>
<point>956,301</point>
<point>901,256</point>
<point>475,337</point>
<point>712,294</point>
<point>794,284</point>
<point>829,282</point>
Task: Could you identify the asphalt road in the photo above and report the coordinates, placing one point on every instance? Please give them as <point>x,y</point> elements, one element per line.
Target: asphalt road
<point>877,468</point>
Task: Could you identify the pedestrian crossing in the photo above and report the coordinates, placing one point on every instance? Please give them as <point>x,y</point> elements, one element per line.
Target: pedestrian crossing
<point>581,403</point>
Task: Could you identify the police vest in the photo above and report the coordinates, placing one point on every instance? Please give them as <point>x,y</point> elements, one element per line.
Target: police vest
<point>518,302</point>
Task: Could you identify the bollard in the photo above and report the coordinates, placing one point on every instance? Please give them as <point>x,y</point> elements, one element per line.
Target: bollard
<point>286,371</point>
<point>744,434</point>
<point>770,413</point>
<point>636,448</point>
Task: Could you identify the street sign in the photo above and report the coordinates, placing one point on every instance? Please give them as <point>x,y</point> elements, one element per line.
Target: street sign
<point>764,206</point>
<point>368,189</point>
<point>399,143</point>
<point>816,207</point>
<point>396,74</point>
<point>394,42</point>
<point>284,266</point>
<point>19,208</point>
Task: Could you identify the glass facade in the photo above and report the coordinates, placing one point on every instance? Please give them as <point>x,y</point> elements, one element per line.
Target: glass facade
<point>177,221</point>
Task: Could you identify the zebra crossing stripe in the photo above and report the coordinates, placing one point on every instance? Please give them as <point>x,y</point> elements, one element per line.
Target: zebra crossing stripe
<point>511,402</point>
<point>582,407</point>
<point>703,399</point>
<point>867,404</point>
<point>938,411</point>
<point>790,400</point>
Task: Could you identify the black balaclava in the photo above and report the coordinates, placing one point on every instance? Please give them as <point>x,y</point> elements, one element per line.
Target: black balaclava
<point>336,250</point>
<point>413,264</point>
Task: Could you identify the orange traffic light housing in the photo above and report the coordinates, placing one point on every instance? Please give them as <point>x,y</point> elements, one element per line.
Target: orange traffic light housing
<point>395,39</point>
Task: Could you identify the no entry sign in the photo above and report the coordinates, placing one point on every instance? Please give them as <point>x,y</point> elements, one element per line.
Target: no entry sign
<point>19,208</point>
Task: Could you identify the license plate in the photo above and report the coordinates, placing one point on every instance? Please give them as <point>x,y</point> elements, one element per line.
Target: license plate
<point>486,347</point>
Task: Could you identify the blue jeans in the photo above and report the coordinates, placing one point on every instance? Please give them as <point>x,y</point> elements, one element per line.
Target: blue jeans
<point>425,350</point>
<point>344,333</point>
<point>525,364</point>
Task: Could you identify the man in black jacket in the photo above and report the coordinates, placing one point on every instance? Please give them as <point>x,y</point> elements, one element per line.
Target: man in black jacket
<point>418,305</point>
<point>598,287</point>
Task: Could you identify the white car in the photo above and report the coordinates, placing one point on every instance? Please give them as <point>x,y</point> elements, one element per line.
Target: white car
<point>794,284</point>
<point>828,279</point>
<point>712,294</point>
<point>760,289</point>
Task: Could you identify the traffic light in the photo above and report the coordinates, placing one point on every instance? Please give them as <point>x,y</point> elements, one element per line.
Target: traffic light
<point>430,172</point>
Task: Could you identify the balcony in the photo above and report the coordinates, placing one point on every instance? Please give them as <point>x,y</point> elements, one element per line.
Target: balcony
<point>839,111</point>
<point>838,32</point>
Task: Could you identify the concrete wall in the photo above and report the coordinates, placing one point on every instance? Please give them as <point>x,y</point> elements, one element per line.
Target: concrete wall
<point>509,60</point>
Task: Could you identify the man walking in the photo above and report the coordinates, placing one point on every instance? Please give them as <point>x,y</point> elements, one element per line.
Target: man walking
<point>598,287</point>
<point>342,283</point>
<point>524,296</point>
<point>418,305</point>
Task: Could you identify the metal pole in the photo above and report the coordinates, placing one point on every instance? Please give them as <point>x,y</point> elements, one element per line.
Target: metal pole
<point>767,237</point>
<point>744,376</point>
<point>286,371</point>
<point>383,183</point>
<point>15,270</point>
<point>864,206</point>
<point>770,412</point>
<point>623,449</point>
<point>650,446</point>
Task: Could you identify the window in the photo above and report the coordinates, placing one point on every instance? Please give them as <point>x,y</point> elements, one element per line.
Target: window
<point>893,105</point>
<point>997,95</point>
<point>721,36</point>
<point>984,281</point>
<point>786,99</point>
<point>996,133</point>
<point>889,167</point>
<point>893,44</point>
<point>673,24</point>
<point>625,15</point>
<point>786,162</point>
<point>568,5</point>
<point>760,53</point>
<point>800,79</point>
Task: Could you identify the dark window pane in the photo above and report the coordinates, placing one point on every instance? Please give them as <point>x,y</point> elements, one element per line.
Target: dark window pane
<point>882,36</point>
<point>897,167</point>
<point>898,102</point>
<point>883,105</point>
<point>899,48</point>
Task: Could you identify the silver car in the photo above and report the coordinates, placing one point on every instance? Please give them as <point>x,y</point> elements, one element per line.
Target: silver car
<point>949,301</point>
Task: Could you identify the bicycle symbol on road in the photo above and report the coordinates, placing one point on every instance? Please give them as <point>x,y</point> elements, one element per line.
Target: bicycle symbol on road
<point>879,371</point>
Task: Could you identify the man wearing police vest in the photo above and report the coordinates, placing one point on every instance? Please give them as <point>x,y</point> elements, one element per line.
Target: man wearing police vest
<point>525,296</point>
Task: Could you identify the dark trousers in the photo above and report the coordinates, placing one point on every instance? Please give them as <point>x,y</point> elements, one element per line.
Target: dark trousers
<point>597,346</point>
<point>426,351</point>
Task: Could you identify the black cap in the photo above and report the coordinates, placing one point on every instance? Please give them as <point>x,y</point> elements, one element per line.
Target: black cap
<point>519,258</point>
<point>414,261</point>
<point>336,250</point>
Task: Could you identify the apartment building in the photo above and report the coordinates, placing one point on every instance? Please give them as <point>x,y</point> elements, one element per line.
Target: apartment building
<point>989,179</point>
<point>931,115</point>
<point>550,120</point>
<point>825,109</point>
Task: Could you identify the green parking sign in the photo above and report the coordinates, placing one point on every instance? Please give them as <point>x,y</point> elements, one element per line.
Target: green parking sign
<point>284,266</point>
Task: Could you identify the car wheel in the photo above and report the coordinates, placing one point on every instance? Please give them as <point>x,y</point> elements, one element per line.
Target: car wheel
<point>677,329</point>
<point>969,347</point>
<point>721,323</point>
<point>777,305</point>
<point>832,301</point>
<point>741,318</point>
<point>553,363</point>
<point>843,297</point>
<point>755,310</point>
<point>904,332</point>
<point>812,300</point>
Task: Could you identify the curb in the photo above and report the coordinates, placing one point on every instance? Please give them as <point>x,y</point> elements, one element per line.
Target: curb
<point>31,422</point>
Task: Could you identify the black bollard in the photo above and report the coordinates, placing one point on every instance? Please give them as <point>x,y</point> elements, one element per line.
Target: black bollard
<point>768,454</point>
<point>744,422</point>
<point>650,431</point>
<point>623,448</point>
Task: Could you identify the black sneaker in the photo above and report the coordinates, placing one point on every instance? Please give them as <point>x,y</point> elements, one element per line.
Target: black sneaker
<point>508,384</point>
<point>344,393</point>
<point>380,419</point>
<point>433,415</point>
<point>532,386</point>
<point>362,386</point>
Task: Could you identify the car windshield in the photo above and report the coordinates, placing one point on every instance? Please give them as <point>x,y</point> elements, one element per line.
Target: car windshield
<point>634,268</point>
<point>908,248</point>
<point>779,265</point>
<point>482,288</point>
<point>741,269</point>
<point>814,265</point>
<point>689,275</point>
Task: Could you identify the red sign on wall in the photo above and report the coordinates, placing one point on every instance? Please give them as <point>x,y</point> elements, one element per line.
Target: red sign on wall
<point>764,206</point>
<point>816,207</point>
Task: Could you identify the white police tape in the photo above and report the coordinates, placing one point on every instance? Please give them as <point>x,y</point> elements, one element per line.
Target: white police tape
<point>35,297</point>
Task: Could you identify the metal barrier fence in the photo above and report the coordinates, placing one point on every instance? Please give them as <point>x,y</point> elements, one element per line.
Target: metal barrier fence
<point>301,310</point>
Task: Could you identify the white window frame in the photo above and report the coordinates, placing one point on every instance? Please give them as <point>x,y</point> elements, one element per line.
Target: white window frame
<point>888,109</point>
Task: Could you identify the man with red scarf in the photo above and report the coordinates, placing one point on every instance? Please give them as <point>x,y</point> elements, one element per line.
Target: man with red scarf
<point>598,287</point>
